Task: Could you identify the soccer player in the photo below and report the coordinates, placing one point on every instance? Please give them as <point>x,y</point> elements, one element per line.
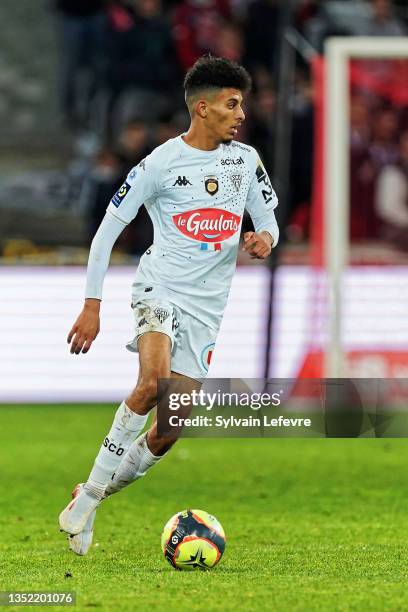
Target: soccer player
<point>195,188</point>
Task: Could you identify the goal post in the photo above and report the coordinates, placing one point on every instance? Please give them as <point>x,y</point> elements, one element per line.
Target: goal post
<point>338,53</point>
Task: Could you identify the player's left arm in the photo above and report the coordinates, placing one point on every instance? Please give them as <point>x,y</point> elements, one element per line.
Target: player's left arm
<point>261,202</point>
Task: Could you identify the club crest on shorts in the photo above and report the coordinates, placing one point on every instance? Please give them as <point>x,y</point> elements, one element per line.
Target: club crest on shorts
<point>206,355</point>
<point>161,314</point>
<point>236,180</point>
<point>211,184</point>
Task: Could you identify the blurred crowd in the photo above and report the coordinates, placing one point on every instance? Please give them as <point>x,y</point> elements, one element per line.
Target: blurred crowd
<point>378,120</point>
<point>319,19</point>
<point>118,55</point>
<point>379,156</point>
<point>122,64</point>
<point>121,73</point>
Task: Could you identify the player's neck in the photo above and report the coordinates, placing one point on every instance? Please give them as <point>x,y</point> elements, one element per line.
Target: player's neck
<point>199,139</point>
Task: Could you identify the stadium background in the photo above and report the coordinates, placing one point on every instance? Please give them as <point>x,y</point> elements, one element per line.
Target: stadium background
<point>87,89</point>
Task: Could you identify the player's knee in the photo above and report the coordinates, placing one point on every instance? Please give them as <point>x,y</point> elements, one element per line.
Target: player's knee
<point>148,389</point>
<point>144,395</point>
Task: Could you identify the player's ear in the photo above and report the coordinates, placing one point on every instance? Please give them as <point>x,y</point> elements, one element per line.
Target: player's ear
<point>201,108</point>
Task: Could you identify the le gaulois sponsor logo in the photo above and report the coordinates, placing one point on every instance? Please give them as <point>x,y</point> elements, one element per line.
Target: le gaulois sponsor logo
<point>207,224</point>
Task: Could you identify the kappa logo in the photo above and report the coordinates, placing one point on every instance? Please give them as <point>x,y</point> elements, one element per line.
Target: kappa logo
<point>211,184</point>
<point>236,180</point>
<point>161,314</point>
<point>142,164</point>
<point>232,162</point>
<point>181,181</point>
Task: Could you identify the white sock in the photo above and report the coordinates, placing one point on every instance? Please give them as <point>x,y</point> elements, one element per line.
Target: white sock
<point>126,426</point>
<point>134,465</point>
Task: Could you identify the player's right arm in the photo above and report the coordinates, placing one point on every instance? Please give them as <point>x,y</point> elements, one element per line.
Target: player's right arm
<point>87,325</point>
<point>140,185</point>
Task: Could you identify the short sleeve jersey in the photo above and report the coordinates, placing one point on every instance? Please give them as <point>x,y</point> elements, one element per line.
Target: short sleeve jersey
<point>196,200</point>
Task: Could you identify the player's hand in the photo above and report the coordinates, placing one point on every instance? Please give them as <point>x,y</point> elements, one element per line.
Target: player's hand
<point>259,246</point>
<point>85,328</point>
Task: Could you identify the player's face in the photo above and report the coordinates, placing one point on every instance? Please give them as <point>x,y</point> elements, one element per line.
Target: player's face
<point>225,114</point>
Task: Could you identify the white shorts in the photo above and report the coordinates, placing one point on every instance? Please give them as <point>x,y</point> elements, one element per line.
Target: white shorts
<point>192,342</point>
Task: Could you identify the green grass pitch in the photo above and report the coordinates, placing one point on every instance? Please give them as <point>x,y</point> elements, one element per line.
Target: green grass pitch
<point>311,524</point>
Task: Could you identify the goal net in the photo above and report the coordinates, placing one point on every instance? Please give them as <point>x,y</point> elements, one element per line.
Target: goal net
<point>357,287</point>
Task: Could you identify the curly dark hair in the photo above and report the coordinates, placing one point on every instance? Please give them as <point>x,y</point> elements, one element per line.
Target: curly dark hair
<point>215,73</point>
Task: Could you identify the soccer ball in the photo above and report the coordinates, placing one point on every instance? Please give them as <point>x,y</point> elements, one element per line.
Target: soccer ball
<point>193,539</point>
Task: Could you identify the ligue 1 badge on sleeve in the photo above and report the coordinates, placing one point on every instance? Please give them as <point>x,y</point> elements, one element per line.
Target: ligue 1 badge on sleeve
<point>211,184</point>
<point>121,194</point>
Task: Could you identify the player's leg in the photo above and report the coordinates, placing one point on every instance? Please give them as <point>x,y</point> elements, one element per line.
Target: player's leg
<point>151,446</point>
<point>142,455</point>
<point>129,421</point>
<point>190,361</point>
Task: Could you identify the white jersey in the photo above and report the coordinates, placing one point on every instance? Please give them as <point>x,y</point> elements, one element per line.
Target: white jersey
<point>196,200</point>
